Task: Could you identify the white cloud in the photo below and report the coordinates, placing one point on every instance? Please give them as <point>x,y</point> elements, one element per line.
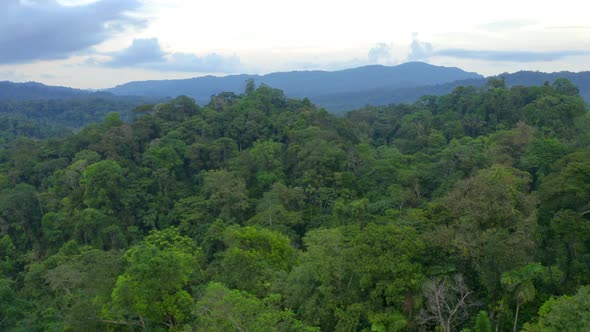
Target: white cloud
<point>419,51</point>
<point>147,53</point>
<point>198,37</point>
<point>382,53</point>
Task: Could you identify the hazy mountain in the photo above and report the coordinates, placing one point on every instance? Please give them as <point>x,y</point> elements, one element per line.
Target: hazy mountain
<point>298,84</point>
<point>45,105</point>
<point>337,91</point>
<point>345,101</point>
<point>527,78</point>
<point>34,90</point>
<point>351,88</point>
<point>338,102</point>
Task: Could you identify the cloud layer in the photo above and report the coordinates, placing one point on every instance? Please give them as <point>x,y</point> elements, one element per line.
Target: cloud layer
<point>147,53</point>
<point>423,51</point>
<point>46,30</point>
<point>419,50</point>
<point>508,56</point>
<point>382,52</point>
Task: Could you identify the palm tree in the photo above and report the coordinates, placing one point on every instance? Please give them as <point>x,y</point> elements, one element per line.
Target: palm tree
<point>520,283</point>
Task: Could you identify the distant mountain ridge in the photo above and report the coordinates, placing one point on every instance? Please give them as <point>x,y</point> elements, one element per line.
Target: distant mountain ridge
<point>350,89</point>
<point>35,90</point>
<point>299,84</point>
<point>44,106</point>
<point>383,96</point>
<point>337,91</point>
<point>527,78</point>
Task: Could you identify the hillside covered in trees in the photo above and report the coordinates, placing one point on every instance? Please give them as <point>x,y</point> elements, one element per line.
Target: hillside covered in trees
<point>353,88</point>
<point>256,212</point>
<point>48,109</point>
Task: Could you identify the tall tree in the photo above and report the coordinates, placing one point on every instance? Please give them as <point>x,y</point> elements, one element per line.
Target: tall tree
<point>153,288</point>
<point>520,282</point>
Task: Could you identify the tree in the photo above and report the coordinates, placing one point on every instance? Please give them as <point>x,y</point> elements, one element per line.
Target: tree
<point>494,198</point>
<point>102,183</point>
<point>520,282</point>
<point>12,307</point>
<point>89,227</point>
<point>177,109</point>
<point>190,214</point>
<point>314,160</point>
<point>57,229</point>
<point>153,288</point>
<point>541,155</point>
<point>565,313</point>
<point>555,114</point>
<point>385,258</point>
<point>255,258</point>
<point>264,164</point>
<point>272,212</point>
<point>220,151</point>
<point>447,302</point>
<point>165,157</point>
<point>571,232</point>
<point>565,87</point>
<point>250,86</point>
<point>80,279</point>
<point>221,309</point>
<point>226,193</point>
<point>324,283</point>
<point>352,278</point>
<point>8,257</point>
<point>482,322</point>
<point>565,202</point>
<point>20,215</point>
<point>488,215</point>
<point>569,186</point>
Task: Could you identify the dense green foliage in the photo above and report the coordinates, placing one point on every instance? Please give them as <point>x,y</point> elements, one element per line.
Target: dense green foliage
<point>71,112</point>
<point>261,213</point>
<point>12,127</point>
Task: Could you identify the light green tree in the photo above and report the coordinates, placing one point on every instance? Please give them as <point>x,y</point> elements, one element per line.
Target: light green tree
<point>221,309</point>
<point>565,313</point>
<point>255,258</point>
<point>482,322</point>
<point>153,288</point>
<point>103,184</point>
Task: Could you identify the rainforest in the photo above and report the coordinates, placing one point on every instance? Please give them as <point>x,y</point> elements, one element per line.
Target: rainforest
<point>468,211</point>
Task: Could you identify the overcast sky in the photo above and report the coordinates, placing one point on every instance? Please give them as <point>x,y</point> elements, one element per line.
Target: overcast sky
<point>102,43</point>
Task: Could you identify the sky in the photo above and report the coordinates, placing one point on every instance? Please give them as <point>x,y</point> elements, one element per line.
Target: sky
<point>95,44</point>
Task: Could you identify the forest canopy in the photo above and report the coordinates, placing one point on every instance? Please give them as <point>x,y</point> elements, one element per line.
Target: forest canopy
<point>256,212</point>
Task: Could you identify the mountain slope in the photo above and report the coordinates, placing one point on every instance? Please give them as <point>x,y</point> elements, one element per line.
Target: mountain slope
<point>339,102</point>
<point>302,83</point>
<point>336,91</point>
<point>528,78</point>
<point>34,90</point>
<point>45,105</point>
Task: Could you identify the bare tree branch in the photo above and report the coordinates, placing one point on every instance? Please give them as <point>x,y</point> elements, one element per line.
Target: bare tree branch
<point>447,302</point>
